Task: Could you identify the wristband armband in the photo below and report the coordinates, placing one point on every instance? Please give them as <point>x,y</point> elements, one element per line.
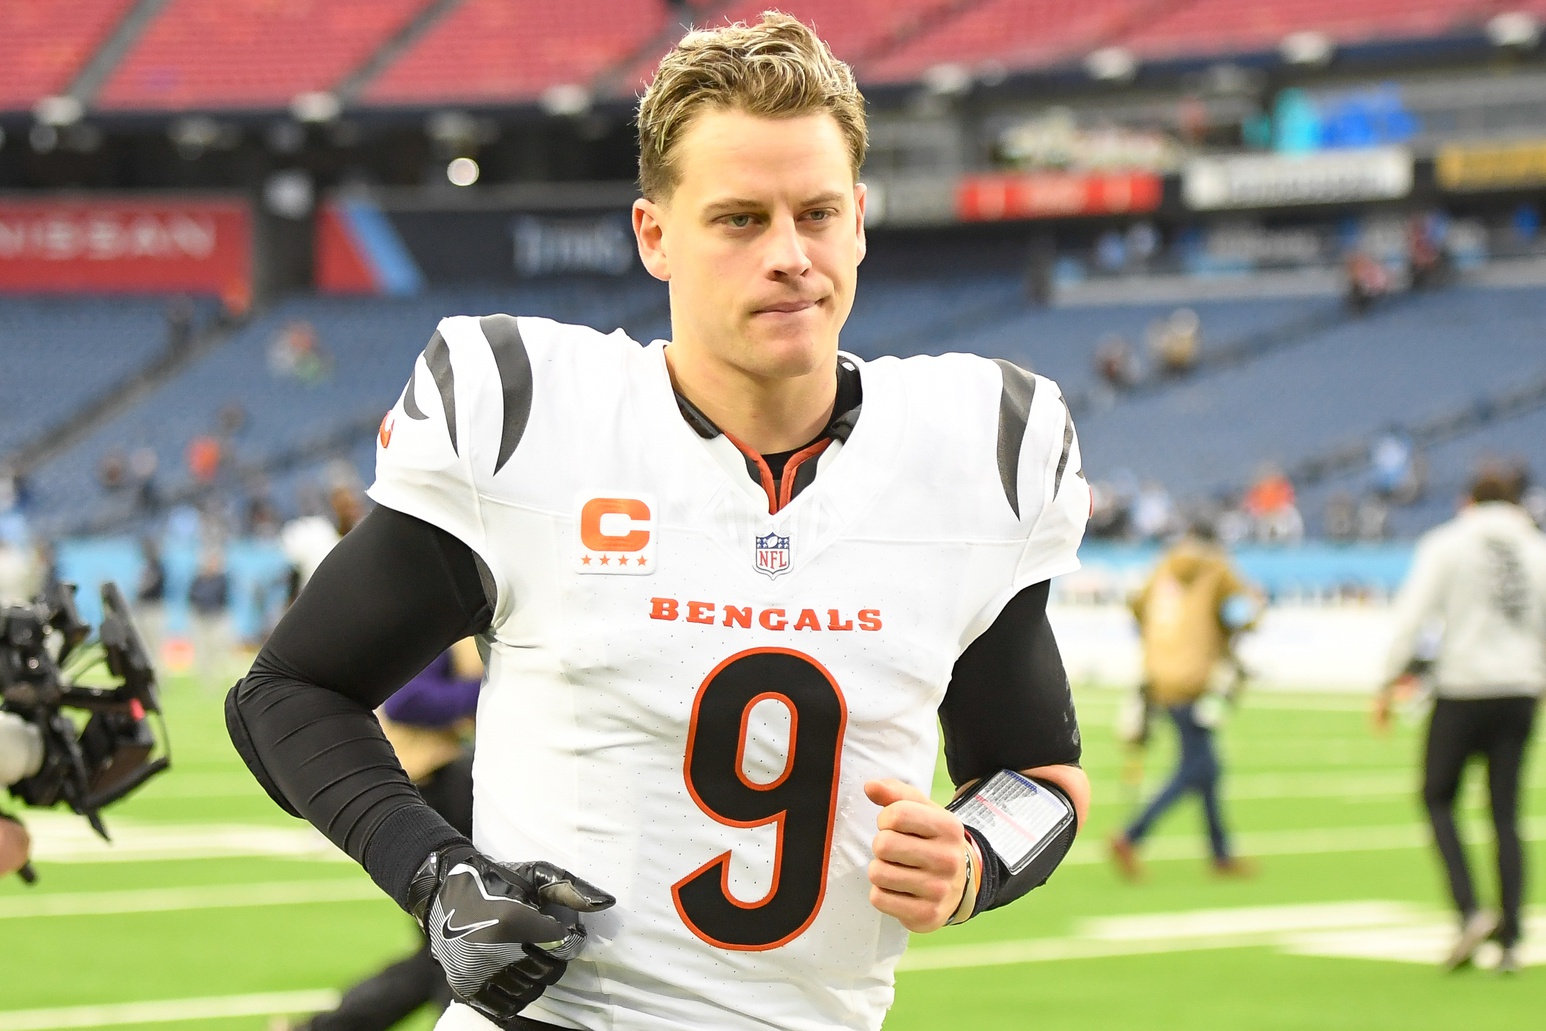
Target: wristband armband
<point>1023,827</point>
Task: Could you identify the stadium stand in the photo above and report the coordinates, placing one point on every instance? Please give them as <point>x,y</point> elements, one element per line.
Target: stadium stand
<point>61,353</point>
<point>47,42</point>
<point>367,348</point>
<point>498,51</point>
<point>1205,27</point>
<point>253,54</point>
<point>1336,390</point>
<point>1009,34</point>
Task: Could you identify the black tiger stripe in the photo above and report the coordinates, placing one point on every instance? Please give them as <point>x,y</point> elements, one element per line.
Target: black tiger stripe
<point>1014,411</point>
<point>503,334</point>
<point>1068,444</point>
<point>438,357</point>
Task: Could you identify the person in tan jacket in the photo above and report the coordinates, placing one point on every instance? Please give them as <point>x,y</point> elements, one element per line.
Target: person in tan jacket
<point>1188,613</point>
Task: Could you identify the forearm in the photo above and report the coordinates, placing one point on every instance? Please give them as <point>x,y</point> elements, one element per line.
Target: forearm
<point>392,596</point>
<point>326,760</point>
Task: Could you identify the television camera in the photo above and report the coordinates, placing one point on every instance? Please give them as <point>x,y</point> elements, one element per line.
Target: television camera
<point>80,719</point>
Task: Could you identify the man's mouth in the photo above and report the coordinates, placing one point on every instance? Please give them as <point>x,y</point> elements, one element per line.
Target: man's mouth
<point>786,307</point>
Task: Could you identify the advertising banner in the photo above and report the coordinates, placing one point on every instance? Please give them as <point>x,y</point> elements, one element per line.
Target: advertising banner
<point>1491,166</point>
<point>1285,180</point>
<point>127,245</point>
<point>365,247</point>
<point>994,198</point>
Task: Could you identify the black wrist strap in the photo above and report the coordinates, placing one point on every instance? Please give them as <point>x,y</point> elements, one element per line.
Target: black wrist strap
<point>997,886</point>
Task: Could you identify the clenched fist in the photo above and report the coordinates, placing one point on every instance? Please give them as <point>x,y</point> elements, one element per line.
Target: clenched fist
<point>919,874</point>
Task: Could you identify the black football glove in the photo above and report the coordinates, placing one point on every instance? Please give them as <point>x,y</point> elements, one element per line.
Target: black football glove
<point>502,933</point>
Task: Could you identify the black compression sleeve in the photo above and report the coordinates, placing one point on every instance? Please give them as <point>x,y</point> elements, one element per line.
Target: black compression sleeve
<point>1008,706</point>
<point>393,595</point>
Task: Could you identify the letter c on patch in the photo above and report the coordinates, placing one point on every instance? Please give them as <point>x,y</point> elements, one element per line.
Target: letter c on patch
<point>632,512</point>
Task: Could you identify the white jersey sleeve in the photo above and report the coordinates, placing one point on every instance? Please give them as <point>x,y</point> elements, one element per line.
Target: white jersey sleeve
<point>1054,495</point>
<point>430,451</point>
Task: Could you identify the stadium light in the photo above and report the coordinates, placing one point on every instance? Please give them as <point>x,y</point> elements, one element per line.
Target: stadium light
<point>58,111</point>
<point>1519,30</point>
<point>565,100</point>
<point>1309,48</point>
<point>463,171</point>
<point>1111,64</point>
<point>947,80</point>
<point>315,107</point>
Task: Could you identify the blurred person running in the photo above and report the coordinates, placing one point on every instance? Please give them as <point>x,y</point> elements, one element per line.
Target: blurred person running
<point>1188,613</point>
<point>1483,574</point>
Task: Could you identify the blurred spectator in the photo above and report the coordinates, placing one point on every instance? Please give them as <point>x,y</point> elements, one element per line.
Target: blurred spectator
<point>1154,513</point>
<point>204,456</point>
<point>1116,362</point>
<point>142,472</point>
<point>1427,261</point>
<point>1188,614</point>
<point>296,353</point>
<point>113,470</point>
<point>1270,505</point>
<point>1373,519</point>
<point>1341,521</point>
<point>1483,577</point>
<point>231,420</point>
<point>1110,511</point>
<point>209,598</point>
<point>11,490</point>
<point>1397,470</point>
<point>1367,280</point>
<point>1111,251</point>
<point>1175,341</point>
<point>150,597</point>
<point>179,325</point>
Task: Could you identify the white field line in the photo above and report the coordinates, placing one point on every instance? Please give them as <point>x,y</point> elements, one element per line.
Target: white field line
<point>168,1011</point>
<point>1313,841</point>
<point>65,839</point>
<point>167,900</point>
<point>1395,931</point>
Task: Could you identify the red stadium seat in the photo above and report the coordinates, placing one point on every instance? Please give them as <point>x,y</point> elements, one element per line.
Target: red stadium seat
<point>1008,33</point>
<point>46,44</point>
<point>853,30</point>
<point>1234,26</point>
<point>203,54</point>
<point>494,51</point>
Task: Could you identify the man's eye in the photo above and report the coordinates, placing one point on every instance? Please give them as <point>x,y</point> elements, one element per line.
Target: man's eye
<point>820,214</point>
<point>738,221</point>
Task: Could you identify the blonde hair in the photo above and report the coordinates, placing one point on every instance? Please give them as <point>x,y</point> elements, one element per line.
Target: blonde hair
<point>777,68</point>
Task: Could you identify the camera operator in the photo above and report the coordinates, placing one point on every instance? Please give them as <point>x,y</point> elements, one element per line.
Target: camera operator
<point>21,752</point>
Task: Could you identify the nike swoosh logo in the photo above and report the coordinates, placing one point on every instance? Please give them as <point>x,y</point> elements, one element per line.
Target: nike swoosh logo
<point>462,932</point>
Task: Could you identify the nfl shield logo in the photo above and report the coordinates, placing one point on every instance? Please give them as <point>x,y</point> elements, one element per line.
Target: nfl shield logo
<point>772,555</point>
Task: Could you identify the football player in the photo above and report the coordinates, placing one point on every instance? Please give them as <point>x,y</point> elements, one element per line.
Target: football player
<point>729,587</point>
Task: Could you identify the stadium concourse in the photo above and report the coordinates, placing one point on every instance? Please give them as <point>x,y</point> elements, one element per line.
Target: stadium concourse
<point>1286,261</point>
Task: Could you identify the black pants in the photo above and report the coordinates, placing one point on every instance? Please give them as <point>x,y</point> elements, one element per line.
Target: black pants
<point>381,1001</point>
<point>1498,729</point>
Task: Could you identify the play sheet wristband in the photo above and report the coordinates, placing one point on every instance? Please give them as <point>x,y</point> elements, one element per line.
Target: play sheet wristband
<point>1017,816</point>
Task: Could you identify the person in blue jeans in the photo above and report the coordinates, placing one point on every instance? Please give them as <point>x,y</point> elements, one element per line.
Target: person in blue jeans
<point>1198,770</point>
<point>1188,613</point>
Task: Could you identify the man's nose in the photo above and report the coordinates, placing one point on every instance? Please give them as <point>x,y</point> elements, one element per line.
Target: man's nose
<point>786,249</point>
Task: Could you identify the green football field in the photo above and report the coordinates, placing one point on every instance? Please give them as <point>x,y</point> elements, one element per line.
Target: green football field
<point>214,911</point>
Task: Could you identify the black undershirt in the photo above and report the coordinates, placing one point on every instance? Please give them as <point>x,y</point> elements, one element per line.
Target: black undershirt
<point>397,591</point>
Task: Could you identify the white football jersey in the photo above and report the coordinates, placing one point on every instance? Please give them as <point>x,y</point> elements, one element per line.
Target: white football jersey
<point>685,693</point>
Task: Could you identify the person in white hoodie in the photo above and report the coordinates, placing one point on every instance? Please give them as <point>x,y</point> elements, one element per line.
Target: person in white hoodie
<point>1482,575</point>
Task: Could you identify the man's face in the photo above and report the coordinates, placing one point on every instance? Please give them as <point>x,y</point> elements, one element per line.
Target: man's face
<point>761,242</point>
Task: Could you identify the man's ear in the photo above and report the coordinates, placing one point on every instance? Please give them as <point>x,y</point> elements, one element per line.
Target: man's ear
<point>861,196</point>
<point>650,233</point>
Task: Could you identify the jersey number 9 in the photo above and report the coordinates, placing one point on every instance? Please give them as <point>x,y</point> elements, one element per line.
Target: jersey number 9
<point>801,801</point>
